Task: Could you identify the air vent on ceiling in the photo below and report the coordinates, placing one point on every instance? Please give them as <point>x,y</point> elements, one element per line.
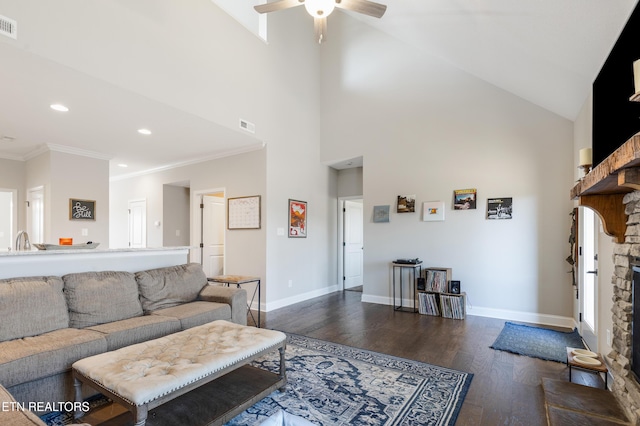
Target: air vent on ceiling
<point>8,27</point>
<point>249,127</point>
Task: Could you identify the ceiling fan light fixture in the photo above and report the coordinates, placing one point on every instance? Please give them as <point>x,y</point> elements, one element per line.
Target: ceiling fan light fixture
<point>319,8</point>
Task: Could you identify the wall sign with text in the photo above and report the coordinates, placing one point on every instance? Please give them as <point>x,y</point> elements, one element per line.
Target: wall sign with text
<point>82,209</point>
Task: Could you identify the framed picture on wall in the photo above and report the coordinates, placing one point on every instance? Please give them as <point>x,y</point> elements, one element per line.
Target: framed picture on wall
<point>297,219</point>
<point>464,199</point>
<point>433,211</point>
<point>381,214</point>
<point>406,204</point>
<point>82,209</point>
<point>500,208</point>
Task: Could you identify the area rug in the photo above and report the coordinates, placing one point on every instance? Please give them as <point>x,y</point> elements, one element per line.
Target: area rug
<point>537,342</point>
<point>331,384</point>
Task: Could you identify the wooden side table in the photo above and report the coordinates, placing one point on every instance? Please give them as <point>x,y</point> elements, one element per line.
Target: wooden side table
<point>238,280</point>
<point>597,369</point>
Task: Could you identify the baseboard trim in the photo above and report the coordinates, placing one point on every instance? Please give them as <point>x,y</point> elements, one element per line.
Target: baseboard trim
<point>530,317</point>
<point>298,298</point>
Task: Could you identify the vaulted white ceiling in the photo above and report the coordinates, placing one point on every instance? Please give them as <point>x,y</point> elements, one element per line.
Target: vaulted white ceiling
<point>545,51</point>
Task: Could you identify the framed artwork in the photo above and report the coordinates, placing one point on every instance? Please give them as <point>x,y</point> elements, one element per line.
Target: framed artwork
<point>243,212</point>
<point>500,208</point>
<point>406,203</point>
<point>464,199</point>
<point>433,211</point>
<point>82,209</point>
<point>297,219</point>
<point>381,214</point>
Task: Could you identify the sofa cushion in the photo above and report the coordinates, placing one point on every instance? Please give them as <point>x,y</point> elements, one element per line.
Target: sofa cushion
<point>30,306</point>
<point>135,330</point>
<point>100,297</point>
<point>32,358</point>
<point>197,313</point>
<point>171,286</point>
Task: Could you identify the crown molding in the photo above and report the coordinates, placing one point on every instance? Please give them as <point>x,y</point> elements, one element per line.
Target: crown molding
<point>11,157</point>
<point>198,160</point>
<point>79,151</point>
<point>51,147</point>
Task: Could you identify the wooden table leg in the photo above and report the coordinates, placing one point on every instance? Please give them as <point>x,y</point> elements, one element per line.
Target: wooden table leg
<point>140,414</point>
<point>77,385</point>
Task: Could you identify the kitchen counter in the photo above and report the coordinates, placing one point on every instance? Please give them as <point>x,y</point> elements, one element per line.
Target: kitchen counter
<point>61,262</point>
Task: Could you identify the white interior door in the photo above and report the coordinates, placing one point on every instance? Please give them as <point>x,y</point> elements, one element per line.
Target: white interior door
<point>35,215</point>
<point>353,243</point>
<point>8,198</point>
<point>213,226</point>
<point>138,223</point>
<point>588,290</point>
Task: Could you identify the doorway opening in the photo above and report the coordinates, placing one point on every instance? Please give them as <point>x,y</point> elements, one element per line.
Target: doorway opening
<point>35,214</point>
<point>208,235</point>
<point>352,244</point>
<point>8,216</point>
<point>137,223</point>
<point>588,277</point>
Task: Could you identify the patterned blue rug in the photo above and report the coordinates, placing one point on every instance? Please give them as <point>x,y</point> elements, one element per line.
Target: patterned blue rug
<point>537,342</point>
<point>332,384</point>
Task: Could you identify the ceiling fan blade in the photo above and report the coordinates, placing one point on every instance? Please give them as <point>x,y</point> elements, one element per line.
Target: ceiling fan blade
<point>277,5</point>
<point>320,27</point>
<point>363,6</point>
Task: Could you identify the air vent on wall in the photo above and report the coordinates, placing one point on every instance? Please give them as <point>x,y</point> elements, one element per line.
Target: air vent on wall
<point>249,127</point>
<point>8,27</point>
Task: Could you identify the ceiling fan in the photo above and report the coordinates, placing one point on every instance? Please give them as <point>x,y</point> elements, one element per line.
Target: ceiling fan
<point>320,9</point>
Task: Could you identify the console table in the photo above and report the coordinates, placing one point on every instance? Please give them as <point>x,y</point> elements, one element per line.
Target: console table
<point>238,280</point>
<point>412,269</point>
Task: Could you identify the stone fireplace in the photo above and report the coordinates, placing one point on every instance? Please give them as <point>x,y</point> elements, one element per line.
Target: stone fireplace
<point>612,189</point>
<point>625,385</point>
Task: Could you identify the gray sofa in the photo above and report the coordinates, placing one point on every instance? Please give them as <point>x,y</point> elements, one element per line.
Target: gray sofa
<point>48,323</point>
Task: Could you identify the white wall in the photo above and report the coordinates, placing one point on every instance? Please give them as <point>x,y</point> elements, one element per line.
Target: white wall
<point>66,176</point>
<point>85,178</point>
<point>426,128</point>
<point>291,122</point>
<point>176,215</point>
<point>350,182</point>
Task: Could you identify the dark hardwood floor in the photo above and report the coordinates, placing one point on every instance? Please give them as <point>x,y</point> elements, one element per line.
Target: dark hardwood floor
<point>505,390</point>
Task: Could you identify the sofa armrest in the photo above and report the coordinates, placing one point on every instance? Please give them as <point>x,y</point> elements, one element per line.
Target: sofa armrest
<point>234,297</point>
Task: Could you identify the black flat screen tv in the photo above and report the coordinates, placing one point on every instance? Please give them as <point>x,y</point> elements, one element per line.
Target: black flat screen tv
<point>615,117</point>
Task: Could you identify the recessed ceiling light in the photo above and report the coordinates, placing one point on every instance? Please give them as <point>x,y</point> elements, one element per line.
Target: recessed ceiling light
<point>59,107</point>
<point>122,165</point>
<point>144,131</point>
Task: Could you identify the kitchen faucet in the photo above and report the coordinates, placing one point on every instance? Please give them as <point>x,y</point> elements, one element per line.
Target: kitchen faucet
<point>19,244</point>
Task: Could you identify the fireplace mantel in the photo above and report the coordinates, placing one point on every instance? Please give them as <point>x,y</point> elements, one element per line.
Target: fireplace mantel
<point>603,188</point>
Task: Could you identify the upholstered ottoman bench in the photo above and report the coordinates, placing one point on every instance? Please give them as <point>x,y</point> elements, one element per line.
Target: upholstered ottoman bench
<point>146,375</point>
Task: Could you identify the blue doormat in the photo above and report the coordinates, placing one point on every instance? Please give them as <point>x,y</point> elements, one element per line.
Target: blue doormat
<point>537,342</point>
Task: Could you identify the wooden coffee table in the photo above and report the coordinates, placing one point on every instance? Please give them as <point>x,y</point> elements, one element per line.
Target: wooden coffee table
<point>146,375</point>
<point>597,369</point>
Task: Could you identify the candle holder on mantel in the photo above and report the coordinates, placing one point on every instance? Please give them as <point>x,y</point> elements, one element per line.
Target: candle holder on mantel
<point>586,168</point>
<point>636,80</point>
<point>585,160</point>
